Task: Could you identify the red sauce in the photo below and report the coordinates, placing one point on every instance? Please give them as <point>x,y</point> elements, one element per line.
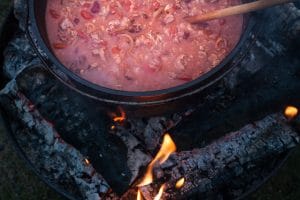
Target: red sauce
<point>139,45</point>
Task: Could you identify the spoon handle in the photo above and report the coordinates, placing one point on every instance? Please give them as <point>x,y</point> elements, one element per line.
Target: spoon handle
<point>235,10</point>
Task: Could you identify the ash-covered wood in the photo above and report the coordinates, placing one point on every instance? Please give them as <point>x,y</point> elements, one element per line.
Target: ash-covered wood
<point>157,126</point>
<point>149,131</point>
<point>136,156</point>
<point>20,11</point>
<point>142,137</point>
<point>13,64</point>
<point>216,167</point>
<point>119,155</point>
<point>60,162</point>
<point>69,113</point>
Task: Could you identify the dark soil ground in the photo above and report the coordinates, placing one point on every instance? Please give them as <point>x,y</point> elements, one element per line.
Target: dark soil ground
<point>17,182</point>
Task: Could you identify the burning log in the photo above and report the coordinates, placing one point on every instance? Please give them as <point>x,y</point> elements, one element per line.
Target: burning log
<point>221,161</point>
<point>136,156</point>
<point>141,137</point>
<point>120,146</point>
<point>91,139</point>
<point>167,148</point>
<point>150,130</point>
<point>216,166</point>
<point>157,126</point>
<point>59,159</point>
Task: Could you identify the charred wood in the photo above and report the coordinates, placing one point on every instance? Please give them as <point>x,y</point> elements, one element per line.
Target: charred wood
<point>62,163</point>
<point>227,161</point>
<point>68,114</point>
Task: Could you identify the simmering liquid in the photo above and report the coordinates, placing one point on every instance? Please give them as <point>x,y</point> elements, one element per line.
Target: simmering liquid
<point>139,45</point>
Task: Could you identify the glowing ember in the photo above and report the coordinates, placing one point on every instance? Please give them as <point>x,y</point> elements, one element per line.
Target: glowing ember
<point>120,118</point>
<point>167,148</point>
<point>160,193</point>
<point>113,127</point>
<point>180,183</point>
<point>87,161</point>
<point>291,112</point>
<point>139,195</point>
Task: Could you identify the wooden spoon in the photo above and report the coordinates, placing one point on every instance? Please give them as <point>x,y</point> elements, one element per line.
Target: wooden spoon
<point>235,10</point>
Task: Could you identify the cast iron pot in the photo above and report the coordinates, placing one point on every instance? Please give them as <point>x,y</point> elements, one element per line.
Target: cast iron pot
<point>134,103</point>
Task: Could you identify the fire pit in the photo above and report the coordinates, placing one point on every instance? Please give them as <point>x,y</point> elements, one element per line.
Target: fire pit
<point>225,145</point>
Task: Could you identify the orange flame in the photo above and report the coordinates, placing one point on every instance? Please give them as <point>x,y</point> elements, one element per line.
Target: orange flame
<point>139,195</point>
<point>121,117</point>
<point>87,161</point>
<point>290,112</point>
<point>180,183</point>
<point>160,193</point>
<point>167,148</point>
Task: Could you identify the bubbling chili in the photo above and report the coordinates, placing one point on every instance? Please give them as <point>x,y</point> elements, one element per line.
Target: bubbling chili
<point>139,45</point>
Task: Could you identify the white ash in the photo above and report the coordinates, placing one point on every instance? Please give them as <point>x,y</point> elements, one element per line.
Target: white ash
<point>59,158</point>
<point>14,65</point>
<point>136,157</point>
<point>20,11</point>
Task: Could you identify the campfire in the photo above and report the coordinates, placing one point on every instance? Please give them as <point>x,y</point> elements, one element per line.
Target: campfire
<point>224,142</point>
<point>167,148</point>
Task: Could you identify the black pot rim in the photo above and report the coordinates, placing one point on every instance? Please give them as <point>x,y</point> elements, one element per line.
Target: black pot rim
<point>108,95</point>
